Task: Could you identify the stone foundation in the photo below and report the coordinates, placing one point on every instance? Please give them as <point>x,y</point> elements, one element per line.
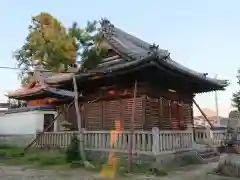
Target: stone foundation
<point>179,158</point>
<point>103,156</point>
<point>229,165</point>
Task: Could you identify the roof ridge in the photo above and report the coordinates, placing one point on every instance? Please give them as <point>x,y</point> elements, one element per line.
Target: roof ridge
<point>109,29</point>
<point>127,44</point>
<point>136,48</point>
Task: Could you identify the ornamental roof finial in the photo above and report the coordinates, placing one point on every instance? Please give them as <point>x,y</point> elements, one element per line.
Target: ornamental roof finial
<point>107,27</point>
<point>154,47</point>
<point>105,21</point>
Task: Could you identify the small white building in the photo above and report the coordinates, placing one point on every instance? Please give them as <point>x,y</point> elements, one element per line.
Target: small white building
<point>27,120</point>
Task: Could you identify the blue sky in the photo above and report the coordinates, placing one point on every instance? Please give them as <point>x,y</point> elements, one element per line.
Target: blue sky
<point>203,35</point>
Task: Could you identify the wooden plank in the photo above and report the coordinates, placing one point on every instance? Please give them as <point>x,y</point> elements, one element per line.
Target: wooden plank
<point>152,113</point>
<point>112,113</point>
<point>93,115</point>
<point>127,108</point>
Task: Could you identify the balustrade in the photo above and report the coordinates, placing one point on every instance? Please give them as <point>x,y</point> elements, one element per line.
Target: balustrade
<point>144,142</point>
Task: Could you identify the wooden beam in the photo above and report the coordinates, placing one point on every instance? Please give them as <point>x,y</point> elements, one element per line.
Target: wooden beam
<point>79,120</point>
<point>203,114</point>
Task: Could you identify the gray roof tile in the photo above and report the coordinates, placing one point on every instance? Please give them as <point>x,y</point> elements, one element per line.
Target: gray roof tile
<point>137,49</point>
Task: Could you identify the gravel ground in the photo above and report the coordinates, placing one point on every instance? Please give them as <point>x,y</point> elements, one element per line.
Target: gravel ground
<point>22,173</point>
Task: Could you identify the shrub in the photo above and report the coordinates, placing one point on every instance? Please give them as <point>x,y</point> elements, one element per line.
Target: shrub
<point>72,151</point>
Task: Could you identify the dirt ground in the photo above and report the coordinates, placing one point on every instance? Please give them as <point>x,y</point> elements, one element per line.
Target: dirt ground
<point>199,172</point>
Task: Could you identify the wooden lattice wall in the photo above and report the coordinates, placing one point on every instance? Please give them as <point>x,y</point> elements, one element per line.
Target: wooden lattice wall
<point>150,112</point>
<point>104,114</point>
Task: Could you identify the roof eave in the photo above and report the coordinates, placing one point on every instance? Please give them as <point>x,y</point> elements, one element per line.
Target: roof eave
<point>117,37</point>
<point>42,93</point>
<point>218,84</point>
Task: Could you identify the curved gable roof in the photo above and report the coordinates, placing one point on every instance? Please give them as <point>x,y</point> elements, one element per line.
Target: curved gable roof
<point>137,49</point>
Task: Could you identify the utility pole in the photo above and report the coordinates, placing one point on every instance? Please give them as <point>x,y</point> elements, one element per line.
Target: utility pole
<point>216,104</point>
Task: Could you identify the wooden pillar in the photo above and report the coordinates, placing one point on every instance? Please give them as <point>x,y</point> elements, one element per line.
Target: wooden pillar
<point>79,120</point>
<point>182,123</point>
<point>56,126</point>
<point>132,128</point>
<point>160,113</point>
<point>170,113</point>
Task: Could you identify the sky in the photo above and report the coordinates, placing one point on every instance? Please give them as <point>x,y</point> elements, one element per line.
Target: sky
<point>202,35</point>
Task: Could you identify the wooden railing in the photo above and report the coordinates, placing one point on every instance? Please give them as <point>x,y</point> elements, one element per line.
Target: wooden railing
<point>101,141</point>
<point>144,142</point>
<point>216,137</point>
<point>153,142</point>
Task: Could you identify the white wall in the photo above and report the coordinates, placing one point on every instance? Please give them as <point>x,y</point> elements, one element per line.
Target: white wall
<point>23,122</point>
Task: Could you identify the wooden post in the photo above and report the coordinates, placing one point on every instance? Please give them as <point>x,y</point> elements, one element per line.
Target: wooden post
<point>170,113</point>
<point>79,120</point>
<point>203,114</point>
<point>132,128</point>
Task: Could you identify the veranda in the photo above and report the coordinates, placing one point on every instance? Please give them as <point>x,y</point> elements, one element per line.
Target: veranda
<point>153,142</point>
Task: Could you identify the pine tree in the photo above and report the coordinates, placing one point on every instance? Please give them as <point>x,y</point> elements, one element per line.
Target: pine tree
<point>48,42</point>
<point>57,47</point>
<point>236,95</point>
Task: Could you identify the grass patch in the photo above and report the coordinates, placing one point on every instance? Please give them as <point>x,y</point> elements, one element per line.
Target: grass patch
<point>12,155</point>
<point>65,160</point>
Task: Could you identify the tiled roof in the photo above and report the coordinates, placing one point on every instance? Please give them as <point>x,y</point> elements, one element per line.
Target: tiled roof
<point>133,52</point>
<point>39,90</point>
<point>138,50</point>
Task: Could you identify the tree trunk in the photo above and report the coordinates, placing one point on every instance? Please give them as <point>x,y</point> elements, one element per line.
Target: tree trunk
<point>79,121</point>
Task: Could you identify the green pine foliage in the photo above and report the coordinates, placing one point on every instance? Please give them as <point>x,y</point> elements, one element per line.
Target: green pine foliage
<point>48,42</point>
<point>56,47</point>
<point>236,95</point>
<point>88,41</point>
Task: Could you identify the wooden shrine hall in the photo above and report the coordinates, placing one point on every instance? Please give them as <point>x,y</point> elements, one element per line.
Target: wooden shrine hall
<point>164,88</point>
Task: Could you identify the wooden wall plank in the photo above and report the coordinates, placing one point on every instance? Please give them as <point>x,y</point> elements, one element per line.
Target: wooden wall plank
<point>152,113</point>
<point>112,113</point>
<point>93,115</point>
<point>127,113</point>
